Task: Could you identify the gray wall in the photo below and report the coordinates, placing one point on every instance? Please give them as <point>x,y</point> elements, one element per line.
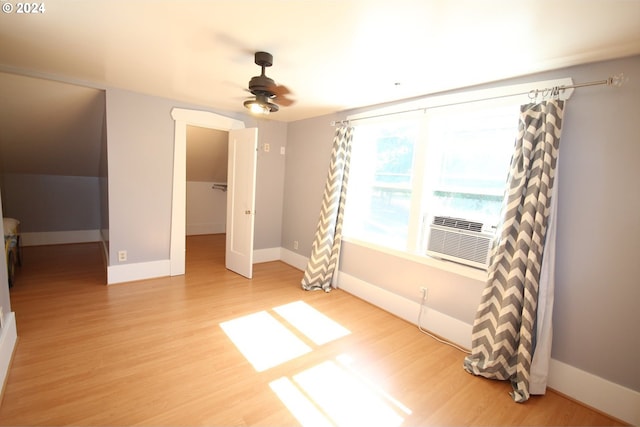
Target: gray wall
<point>140,134</point>
<point>597,275</point>
<point>308,151</point>
<point>140,164</point>
<point>45,203</point>
<point>269,183</point>
<point>104,187</point>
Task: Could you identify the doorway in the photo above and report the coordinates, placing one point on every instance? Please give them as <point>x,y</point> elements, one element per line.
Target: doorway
<point>183,118</point>
<point>207,161</point>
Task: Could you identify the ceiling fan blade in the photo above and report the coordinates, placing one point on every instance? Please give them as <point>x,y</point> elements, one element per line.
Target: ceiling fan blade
<point>280,92</point>
<point>285,102</point>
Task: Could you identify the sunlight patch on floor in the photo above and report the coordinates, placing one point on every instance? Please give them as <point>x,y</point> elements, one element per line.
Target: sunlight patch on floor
<point>348,363</point>
<point>267,342</point>
<point>313,324</point>
<point>298,404</point>
<point>263,340</point>
<point>331,394</point>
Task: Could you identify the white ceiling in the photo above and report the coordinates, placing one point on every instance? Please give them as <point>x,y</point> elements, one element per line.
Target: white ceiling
<point>333,54</point>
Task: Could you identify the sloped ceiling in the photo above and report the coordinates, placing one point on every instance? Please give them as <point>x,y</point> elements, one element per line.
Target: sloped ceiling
<point>207,152</point>
<point>49,128</point>
<point>333,54</point>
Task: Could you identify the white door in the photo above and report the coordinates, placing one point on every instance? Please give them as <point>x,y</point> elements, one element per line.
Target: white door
<point>241,192</point>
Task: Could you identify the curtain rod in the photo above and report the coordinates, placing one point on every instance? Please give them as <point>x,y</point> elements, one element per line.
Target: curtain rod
<point>613,81</point>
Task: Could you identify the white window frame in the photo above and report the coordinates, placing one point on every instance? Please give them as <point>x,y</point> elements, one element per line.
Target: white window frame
<point>516,94</point>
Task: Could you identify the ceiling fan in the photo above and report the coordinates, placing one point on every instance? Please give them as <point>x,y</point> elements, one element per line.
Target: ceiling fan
<point>267,94</point>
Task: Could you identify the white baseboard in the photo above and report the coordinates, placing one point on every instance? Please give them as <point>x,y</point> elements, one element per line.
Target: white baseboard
<point>138,271</point>
<point>206,228</point>
<point>293,259</point>
<point>59,237</point>
<point>606,396</point>
<point>439,323</point>
<point>599,393</point>
<point>8,338</point>
<point>434,321</point>
<point>149,270</point>
<point>266,255</point>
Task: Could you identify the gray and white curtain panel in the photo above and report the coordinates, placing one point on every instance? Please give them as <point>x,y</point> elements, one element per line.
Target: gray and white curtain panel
<point>505,332</point>
<point>325,250</point>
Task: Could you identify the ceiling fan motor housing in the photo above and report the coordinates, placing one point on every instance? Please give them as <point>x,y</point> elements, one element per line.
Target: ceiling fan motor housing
<point>263,59</point>
<point>262,84</point>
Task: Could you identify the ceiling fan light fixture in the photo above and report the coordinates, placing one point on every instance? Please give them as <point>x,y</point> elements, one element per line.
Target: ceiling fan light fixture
<point>260,105</point>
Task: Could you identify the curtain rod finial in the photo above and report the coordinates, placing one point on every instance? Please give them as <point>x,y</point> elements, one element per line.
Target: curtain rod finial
<point>617,80</point>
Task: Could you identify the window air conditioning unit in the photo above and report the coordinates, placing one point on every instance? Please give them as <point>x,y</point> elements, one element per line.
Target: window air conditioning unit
<point>460,240</point>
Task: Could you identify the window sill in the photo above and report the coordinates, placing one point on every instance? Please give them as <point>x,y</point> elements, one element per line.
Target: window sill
<point>449,266</point>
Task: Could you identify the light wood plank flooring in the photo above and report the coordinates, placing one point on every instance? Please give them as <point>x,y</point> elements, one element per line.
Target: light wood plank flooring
<point>154,353</point>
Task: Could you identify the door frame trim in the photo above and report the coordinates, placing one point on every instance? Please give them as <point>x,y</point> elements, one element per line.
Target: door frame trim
<point>182,118</point>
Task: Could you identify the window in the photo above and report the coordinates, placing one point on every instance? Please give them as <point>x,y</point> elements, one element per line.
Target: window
<point>473,151</point>
<point>450,161</point>
<point>380,188</point>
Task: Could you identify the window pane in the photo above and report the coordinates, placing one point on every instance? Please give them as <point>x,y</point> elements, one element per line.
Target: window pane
<point>380,183</point>
<point>475,150</point>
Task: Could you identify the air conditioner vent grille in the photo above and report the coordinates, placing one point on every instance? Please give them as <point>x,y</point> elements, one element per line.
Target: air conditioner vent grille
<point>471,248</point>
<point>457,223</point>
<point>460,240</point>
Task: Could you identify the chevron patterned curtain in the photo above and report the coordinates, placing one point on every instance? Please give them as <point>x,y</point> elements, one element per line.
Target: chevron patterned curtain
<point>504,334</point>
<point>325,250</point>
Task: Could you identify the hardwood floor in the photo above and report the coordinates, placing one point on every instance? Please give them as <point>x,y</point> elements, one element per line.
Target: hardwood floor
<point>155,352</point>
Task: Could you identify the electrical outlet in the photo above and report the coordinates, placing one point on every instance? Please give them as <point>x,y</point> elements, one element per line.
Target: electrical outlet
<point>267,147</point>
<point>295,244</point>
<point>122,256</point>
<point>282,150</point>
<point>423,292</point>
